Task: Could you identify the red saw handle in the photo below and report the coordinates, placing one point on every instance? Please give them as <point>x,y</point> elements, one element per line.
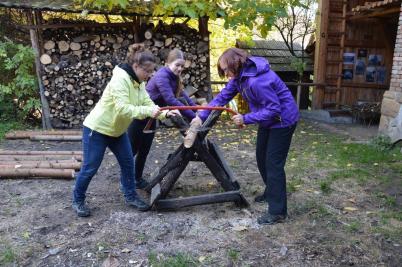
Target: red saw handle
<point>150,121</point>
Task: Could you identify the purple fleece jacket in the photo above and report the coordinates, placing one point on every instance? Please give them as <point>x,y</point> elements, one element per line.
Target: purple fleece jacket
<point>162,90</point>
<point>270,101</point>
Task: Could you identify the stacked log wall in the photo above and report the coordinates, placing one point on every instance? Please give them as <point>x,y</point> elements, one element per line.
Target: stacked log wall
<point>77,63</point>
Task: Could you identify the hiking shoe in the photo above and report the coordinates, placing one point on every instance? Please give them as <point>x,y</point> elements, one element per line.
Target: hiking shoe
<point>141,183</point>
<point>269,219</point>
<point>81,209</point>
<point>138,204</point>
<point>260,199</point>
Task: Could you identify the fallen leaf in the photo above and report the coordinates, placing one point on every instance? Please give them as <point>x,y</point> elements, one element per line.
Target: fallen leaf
<point>126,250</point>
<point>283,250</point>
<point>110,261</point>
<point>239,228</point>
<point>350,209</point>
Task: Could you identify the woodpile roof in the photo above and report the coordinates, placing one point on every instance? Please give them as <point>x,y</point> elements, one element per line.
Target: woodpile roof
<point>142,7</point>
<point>277,54</point>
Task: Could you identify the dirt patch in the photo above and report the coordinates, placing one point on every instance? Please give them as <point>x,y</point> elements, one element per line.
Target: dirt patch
<point>39,228</point>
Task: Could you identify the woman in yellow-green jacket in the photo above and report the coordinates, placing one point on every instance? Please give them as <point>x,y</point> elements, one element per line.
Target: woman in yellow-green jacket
<point>123,100</point>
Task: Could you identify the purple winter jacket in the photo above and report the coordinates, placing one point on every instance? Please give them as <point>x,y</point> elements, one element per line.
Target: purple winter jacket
<point>270,101</point>
<point>162,90</point>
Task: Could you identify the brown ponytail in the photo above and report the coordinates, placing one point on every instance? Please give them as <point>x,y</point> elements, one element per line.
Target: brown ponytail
<point>138,54</point>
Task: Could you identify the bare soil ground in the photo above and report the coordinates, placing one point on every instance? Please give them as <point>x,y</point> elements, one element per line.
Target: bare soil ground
<point>344,205</point>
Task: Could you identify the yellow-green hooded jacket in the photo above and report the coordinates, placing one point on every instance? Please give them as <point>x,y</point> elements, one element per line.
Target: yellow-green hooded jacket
<point>123,100</point>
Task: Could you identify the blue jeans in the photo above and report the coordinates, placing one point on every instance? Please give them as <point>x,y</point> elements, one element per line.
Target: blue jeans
<point>94,145</point>
<point>272,150</point>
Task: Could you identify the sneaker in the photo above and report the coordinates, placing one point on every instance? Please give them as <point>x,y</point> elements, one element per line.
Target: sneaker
<point>81,209</point>
<point>141,183</point>
<point>269,219</point>
<point>138,203</point>
<point>260,199</point>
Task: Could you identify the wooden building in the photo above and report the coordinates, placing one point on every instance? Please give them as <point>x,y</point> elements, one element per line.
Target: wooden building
<point>76,56</point>
<point>356,53</point>
<point>280,60</point>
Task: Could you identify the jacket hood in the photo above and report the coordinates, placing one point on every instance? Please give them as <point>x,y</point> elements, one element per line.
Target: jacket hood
<point>127,68</point>
<point>255,66</point>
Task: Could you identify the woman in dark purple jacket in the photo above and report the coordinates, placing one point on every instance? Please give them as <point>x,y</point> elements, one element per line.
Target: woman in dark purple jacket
<point>273,108</point>
<point>165,89</point>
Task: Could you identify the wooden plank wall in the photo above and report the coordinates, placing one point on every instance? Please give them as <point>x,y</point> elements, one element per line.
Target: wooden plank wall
<point>373,36</point>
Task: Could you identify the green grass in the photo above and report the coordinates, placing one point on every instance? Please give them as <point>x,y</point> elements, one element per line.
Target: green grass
<point>7,255</point>
<point>354,227</point>
<point>233,255</point>
<point>325,187</point>
<point>6,126</point>
<point>178,260</point>
<point>293,185</point>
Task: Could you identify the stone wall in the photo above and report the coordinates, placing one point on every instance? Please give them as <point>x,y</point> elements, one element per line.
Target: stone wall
<point>391,108</point>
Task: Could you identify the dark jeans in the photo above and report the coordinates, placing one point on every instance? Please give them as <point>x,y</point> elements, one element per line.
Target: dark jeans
<point>140,144</point>
<point>94,145</point>
<point>272,150</point>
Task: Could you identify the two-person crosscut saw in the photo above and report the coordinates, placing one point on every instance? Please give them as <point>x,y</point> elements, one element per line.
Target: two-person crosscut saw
<point>148,126</point>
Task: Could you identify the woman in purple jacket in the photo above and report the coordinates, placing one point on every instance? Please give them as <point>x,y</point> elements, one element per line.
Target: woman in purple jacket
<point>165,89</point>
<point>273,108</point>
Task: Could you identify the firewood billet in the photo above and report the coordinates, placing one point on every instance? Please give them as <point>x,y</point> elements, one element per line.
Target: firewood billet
<point>56,138</point>
<point>16,162</point>
<point>30,173</point>
<point>39,157</point>
<point>24,152</point>
<point>28,134</point>
<point>42,165</point>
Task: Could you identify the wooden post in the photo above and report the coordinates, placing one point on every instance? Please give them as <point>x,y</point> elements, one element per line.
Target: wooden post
<point>298,95</point>
<point>45,106</point>
<point>204,32</point>
<point>320,54</point>
<point>136,27</point>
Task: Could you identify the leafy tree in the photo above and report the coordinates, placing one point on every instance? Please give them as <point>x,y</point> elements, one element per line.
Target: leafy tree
<point>18,87</point>
<point>296,27</point>
<point>256,15</point>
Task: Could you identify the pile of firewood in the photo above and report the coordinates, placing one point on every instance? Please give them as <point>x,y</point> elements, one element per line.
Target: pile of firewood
<point>366,112</point>
<point>78,62</point>
<point>43,164</point>
<point>45,135</point>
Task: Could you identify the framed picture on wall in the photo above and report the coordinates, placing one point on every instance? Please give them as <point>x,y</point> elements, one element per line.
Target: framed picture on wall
<point>360,66</point>
<point>347,73</point>
<point>349,58</point>
<point>381,74</point>
<point>362,53</point>
<point>375,60</point>
<point>371,74</point>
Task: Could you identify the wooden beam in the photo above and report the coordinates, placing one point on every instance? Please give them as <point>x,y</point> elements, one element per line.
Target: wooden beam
<point>77,25</point>
<point>376,14</point>
<point>46,124</point>
<point>320,55</point>
<point>177,203</point>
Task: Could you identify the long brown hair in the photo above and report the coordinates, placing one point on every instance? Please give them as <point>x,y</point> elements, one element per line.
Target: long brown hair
<point>234,58</point>
<point>172,56</point>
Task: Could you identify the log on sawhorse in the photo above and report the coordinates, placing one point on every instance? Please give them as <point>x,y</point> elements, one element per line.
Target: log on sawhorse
<point>202,150</point>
